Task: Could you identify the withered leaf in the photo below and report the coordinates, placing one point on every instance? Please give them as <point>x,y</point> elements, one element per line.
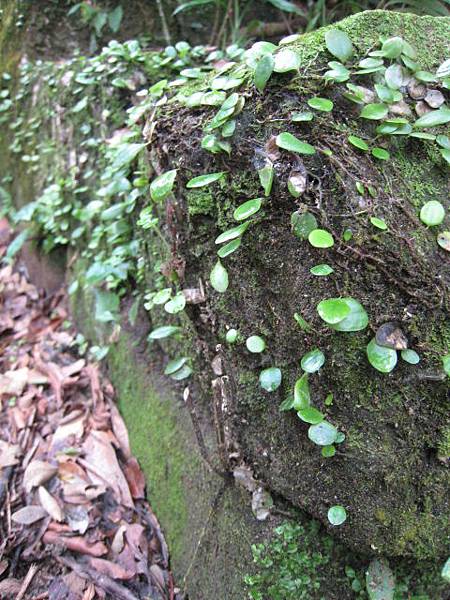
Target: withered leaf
<point>391,336</point>
<point>37,473</point>
<point>50,504</point>
<point>29,515</point>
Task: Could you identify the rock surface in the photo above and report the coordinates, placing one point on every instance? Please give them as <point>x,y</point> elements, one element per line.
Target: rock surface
<point>387,473</point>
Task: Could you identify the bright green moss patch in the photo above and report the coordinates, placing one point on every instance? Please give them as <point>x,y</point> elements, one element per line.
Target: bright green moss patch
<point>155,441</point>
<point>200,202</point>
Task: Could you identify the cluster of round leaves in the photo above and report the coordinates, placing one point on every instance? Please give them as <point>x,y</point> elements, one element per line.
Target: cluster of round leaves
<point>340,314</point>
<point>320,431</point>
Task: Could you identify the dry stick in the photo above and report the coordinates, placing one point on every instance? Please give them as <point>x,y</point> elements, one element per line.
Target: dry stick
<point>163,22</point>
<point>215,25</point>
<point>224,23</point>
<point>26,582</point>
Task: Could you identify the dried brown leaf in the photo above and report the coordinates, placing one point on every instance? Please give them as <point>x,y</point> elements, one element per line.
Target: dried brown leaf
<point>29,515</point>
<point>50,504</point>
<point>8,454</point>
<point>120,431</point>
<point>37,473</point>
<point>101,461</point>
<point>135,478</point>
<point>113,570</point>
<point>13,383</point>
<point>75,544</point>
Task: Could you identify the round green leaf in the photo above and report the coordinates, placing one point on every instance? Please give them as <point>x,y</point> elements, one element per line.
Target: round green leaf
<point>425,76</point>
<point>162,296</point>
<point>338,44</point>
<point>443,239</point>
<point>443,141</point>
<point>287,141</point>
<point>247,209</point>
<point>302,224</point>
<point>302,396</point>
<point>264,70</point>
<point>432,213</point>
<point>232,234</point>
<point>395,76</point>
<point>231,336</point>
<point>445,153</point>
<point>176,304</point>
<point>161,187</point>
<point>286,60</point>
<point>347,235</point>
<point>322,270</point>
<point>328,451</point>
<point>446,363</point>
<point>322,104</point>
<point>410,356</point>
<point>374,111</point>
<point>255,344</point>
<point>340,437</point>
<point>333,310</point>
<point>204,180</point>
<point>445,573</point>
<point>337,73</point>
<point>219,277</point>
<point>162,332</point>
<point>337,515</point>
<point>381,358</point>
<point>434,118</point>
<point>370,63</point>
<point>392,47</point>
<point>312,361</point>
<point>299,117</point>
<point>289,39</point>
<point>379,223</point>
<point>356,320</point>
<point>319,238</point>
<point>380,153</point>
<point>310,415</point>
<point>175,365</point>
<point>323,434</point>
<point>266,178</point>
<point>358,142</point>
<point>229,248</point>
<point>270,379</point>
<point>182,373</point>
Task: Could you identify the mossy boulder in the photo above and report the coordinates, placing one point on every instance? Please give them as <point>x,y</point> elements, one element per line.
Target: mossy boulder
<point>389,473</point>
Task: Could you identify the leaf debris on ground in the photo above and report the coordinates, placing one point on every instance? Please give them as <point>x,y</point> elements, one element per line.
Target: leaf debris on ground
<point>75,524</point>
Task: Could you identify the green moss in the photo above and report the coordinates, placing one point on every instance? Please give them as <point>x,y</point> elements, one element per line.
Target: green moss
<point>200,202</point>
<point>365,29</point>
<point>156,443</point>
<point>414,172</point>
<point>420,530</point>
<point>10,36</point>
<point>444,444</point>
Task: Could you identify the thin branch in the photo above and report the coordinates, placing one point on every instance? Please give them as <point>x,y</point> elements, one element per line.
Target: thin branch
<point>164,22</point>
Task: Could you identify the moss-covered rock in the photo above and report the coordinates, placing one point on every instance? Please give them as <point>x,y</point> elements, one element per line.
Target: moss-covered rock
<point>391,473</point>
<point>388,472</point>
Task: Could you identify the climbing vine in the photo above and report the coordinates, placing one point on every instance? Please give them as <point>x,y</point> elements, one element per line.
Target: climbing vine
<point>92,97</point>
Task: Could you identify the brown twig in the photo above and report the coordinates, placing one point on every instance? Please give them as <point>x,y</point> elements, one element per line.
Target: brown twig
<point>26,582</point>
